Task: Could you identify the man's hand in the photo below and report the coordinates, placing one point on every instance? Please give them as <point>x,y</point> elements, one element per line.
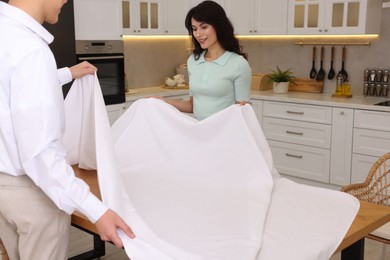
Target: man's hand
<point>107,226</point>
<point>82,69</point>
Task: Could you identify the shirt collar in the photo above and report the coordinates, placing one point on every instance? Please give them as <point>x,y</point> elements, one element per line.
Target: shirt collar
<point>221,59</point>
<point>22,17</point>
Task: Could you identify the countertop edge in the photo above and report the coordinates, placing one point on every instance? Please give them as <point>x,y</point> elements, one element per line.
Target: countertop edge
<point>323,99</point>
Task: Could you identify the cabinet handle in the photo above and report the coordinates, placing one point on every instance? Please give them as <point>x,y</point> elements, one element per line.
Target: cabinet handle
<point>294,133</point>
<point>295,156</point>
<point>293,112</point>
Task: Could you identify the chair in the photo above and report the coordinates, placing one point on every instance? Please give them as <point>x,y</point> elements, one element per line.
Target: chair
<point>3,252</point>
<point>375,189</point>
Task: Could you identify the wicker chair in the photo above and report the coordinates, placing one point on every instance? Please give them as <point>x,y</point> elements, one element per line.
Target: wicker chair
<point>3,253</point>
<point>375,189</point>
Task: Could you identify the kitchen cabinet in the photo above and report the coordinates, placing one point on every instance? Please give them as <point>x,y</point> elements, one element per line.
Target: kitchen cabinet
<point>371,139</point>
<point>174,13</point>
<point>253,17</point>
<point>329,17</point>
<point>310,141</point>
<point>300,139</point>
<point>98,19</point>
<point>341,146</point>
<point>272,17</point>
<point>243,15</point>
<point>192,3</point>
<point>257,106</point>
<point>142,17</point>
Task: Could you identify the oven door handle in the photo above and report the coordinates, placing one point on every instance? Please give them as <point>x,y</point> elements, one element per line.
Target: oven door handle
<point>101,57</point>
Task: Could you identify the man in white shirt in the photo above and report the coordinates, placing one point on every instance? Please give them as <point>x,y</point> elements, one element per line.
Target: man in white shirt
<point>38,189</point>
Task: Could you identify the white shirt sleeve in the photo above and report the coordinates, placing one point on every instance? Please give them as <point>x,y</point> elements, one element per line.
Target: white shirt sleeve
<point>37,111</point>
<point>64,75</point>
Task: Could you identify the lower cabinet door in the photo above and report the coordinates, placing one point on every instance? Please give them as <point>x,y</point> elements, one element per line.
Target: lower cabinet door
<point>361,165</point>
<point>301,161</point>
<point>370,142</point>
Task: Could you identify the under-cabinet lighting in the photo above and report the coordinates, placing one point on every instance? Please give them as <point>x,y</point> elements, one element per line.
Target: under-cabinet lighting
<point>160,37</point>
<point>308,37</point>
<point>302,38</point>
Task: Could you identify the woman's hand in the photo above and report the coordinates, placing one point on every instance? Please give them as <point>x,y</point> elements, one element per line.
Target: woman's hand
<point>243,103</point>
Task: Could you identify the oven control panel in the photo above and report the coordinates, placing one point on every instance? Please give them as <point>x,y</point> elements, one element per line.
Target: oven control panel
<point>99,47</point>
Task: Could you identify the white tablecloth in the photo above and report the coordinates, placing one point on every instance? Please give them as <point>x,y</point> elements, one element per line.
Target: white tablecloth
<point>200,189</point>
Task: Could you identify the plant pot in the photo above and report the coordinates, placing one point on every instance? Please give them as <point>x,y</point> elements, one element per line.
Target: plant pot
<point>281,87</point>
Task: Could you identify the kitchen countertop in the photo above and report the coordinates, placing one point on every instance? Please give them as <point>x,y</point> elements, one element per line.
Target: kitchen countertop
<point>326,99</point>
<point>137,93</point>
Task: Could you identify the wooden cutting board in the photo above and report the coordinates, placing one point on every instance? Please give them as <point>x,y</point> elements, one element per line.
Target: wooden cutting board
<point>306,85</point>
<point>175,87</point>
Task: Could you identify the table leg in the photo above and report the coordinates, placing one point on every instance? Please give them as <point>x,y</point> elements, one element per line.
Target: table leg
<point>354,251</point>
<point>99,248</point>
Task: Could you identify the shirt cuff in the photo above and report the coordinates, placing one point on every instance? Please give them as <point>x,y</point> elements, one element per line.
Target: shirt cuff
<point>92,208</point>
<point>64,75</point>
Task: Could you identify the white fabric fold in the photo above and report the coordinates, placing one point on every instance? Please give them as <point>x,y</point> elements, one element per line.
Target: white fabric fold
<point>79,134</point>
<point>201,189</point>
<point>201,185</point>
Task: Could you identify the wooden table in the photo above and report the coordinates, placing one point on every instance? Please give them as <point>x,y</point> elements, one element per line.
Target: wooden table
<point>369,218</point>
<point>81,222</point>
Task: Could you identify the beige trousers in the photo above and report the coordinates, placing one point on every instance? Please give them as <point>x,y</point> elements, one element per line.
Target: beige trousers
<point>31,225</point>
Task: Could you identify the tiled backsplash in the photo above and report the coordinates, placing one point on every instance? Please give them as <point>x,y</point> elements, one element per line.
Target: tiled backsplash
<point>149,60</point>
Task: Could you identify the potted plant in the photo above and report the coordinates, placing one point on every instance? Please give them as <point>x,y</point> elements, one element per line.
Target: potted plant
<point>281,79</point>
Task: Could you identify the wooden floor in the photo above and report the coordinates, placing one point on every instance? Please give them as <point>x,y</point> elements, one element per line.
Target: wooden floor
<point>81,241</point>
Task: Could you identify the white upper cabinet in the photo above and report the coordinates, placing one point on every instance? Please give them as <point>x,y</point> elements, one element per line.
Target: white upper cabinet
<point>98,19</point>
<point>142,17</point>
<point>243,16</point>
<point>175,12</point>
<point>272,17</point>
<point>253,17</point>
<point>329,17</point>
<point>192,3</point>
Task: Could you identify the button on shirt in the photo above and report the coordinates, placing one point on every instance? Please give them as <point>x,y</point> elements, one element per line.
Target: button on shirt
<point>218,84</point>
<point>32,114</point>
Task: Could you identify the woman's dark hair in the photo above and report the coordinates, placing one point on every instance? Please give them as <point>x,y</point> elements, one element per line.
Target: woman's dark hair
<point>212,13</point>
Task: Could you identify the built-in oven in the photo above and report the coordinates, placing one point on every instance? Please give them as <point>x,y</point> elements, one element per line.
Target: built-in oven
<point>108,57</point>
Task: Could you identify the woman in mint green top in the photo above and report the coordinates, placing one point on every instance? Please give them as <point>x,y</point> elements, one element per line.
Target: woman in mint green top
<point>219,74</point>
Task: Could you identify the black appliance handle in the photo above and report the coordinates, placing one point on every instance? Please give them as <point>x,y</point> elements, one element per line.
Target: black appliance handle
<point>101,57</point>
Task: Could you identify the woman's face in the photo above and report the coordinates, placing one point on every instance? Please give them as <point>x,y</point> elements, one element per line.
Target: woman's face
<point>204,33</point>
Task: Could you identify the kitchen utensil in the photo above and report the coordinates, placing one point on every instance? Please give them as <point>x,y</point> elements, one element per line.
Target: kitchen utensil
<point>321,72</point>
<point>331,70</point>
<point>313,71</point>
<point>342,70</point>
